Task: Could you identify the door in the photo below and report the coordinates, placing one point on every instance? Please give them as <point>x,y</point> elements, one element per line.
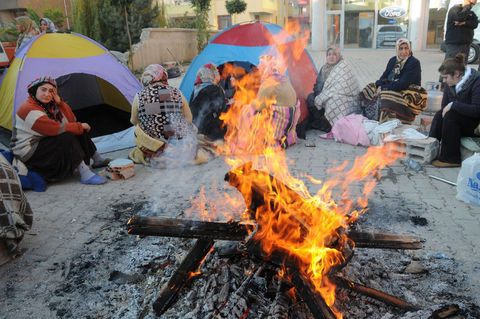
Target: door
<point>335,29</point>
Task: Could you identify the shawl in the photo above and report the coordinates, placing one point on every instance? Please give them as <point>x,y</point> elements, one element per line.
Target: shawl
<point>16,215</point>
<point>339,94</point>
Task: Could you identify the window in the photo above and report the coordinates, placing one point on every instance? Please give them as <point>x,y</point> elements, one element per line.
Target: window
<point>224,22</point>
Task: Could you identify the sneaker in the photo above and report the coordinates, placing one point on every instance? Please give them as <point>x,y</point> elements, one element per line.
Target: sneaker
<point>442,164</point>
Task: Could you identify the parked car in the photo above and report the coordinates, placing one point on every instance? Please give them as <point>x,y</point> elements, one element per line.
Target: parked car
<point>387,35</point>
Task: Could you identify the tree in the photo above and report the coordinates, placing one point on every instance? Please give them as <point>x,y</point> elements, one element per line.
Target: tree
<point>86,18</point>
<point>56,16</point>
<point>235,6</point>
<point>124,5</point>
<point>201,8</point>
<point>33,15</point>
<point>104,21</point>
<point>162,16</point>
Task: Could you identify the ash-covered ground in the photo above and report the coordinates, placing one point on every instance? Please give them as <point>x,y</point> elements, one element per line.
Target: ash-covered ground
<point>117,275</point>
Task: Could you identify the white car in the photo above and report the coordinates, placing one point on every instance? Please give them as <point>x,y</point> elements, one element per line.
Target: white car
<point>387,35</point>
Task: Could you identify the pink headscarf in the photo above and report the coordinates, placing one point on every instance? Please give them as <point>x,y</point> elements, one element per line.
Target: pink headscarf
<point>154,73</point>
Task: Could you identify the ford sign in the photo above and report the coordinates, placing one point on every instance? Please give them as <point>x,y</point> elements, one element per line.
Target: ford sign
<point>392,12</point>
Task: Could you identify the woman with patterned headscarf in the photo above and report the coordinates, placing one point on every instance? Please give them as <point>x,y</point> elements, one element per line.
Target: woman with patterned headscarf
<point>207,102</point>
<point>50,141</point>
<point>27,28</point>
<point>47,25</point>
<point>335,93</point>
<point>160,114</point>
<point>397,94</point>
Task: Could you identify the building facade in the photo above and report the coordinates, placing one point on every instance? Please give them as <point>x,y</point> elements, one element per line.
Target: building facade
<point>377,23</point>
<point>349,24</point>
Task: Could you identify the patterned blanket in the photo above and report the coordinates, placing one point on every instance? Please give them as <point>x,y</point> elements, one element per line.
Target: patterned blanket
<point>16,216</point>
<point>404,105</point>
<point>339,96</point>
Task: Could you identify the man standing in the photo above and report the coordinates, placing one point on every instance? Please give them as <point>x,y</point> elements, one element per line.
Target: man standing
<point>461,21</point>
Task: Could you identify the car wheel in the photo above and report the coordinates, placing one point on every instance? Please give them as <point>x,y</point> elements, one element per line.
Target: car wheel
<point>474,53</point>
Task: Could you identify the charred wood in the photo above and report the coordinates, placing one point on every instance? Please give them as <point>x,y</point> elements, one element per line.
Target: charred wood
<point>373,293</point>
<point>315,302</point>
<point>171,227</point>
<point>384,240</point>
<point>237,305</point>
<point>169,293</point>
<point>281,303</point>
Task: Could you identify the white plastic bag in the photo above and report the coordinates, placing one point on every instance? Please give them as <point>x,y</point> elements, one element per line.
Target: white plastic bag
<point>468,181</point>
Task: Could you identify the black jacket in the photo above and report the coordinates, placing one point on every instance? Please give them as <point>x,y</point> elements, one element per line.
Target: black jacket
<point>462,34</point>
<point>411,73</point>
<point>467,101</point>
<point>206,109</point>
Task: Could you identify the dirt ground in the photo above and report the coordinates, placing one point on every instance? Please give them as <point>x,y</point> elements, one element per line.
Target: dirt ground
<point>79,261</point>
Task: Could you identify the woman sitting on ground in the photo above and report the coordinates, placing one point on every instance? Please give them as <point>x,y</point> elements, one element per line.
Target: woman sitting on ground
<point>27,28</point>
<point>47,25</point>
<point>207,102</point>
<point>164,132</point>
<point>460,113</point>
<point>397,94</point>
<point>335,93</point>
<point>49,140</point>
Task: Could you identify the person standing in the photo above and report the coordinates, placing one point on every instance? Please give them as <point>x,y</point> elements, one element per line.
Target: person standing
<point>461,21</point>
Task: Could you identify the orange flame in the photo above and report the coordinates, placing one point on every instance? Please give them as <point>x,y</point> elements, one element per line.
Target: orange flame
<point>292,219</point>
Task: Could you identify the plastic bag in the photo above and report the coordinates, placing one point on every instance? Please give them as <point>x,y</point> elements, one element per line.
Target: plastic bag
<point>468,181</point>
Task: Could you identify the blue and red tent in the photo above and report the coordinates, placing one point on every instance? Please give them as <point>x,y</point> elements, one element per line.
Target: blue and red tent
<point>246,43</point>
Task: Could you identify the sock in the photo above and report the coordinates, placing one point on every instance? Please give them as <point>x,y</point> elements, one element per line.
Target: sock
<point>97,158</point>
<point>85,172</point>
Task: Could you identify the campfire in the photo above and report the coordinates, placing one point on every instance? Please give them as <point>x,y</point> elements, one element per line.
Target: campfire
<point>251,235</point>
<point>301,240</point>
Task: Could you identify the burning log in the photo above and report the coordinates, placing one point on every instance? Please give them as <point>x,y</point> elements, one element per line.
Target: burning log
<point>314,301</point>
<point>182,275</point>
<point>384,241</point>
<point>373,293</point>
<point>171,227</point>
<point>237,231</point>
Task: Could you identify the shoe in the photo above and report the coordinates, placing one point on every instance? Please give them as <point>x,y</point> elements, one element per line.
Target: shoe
<point>441,164</point>
<point>101,164</point>
<point>95,180</point>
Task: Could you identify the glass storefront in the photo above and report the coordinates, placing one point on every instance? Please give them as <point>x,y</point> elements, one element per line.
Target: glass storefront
<point>359,24</point>
<point>376,23</point>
